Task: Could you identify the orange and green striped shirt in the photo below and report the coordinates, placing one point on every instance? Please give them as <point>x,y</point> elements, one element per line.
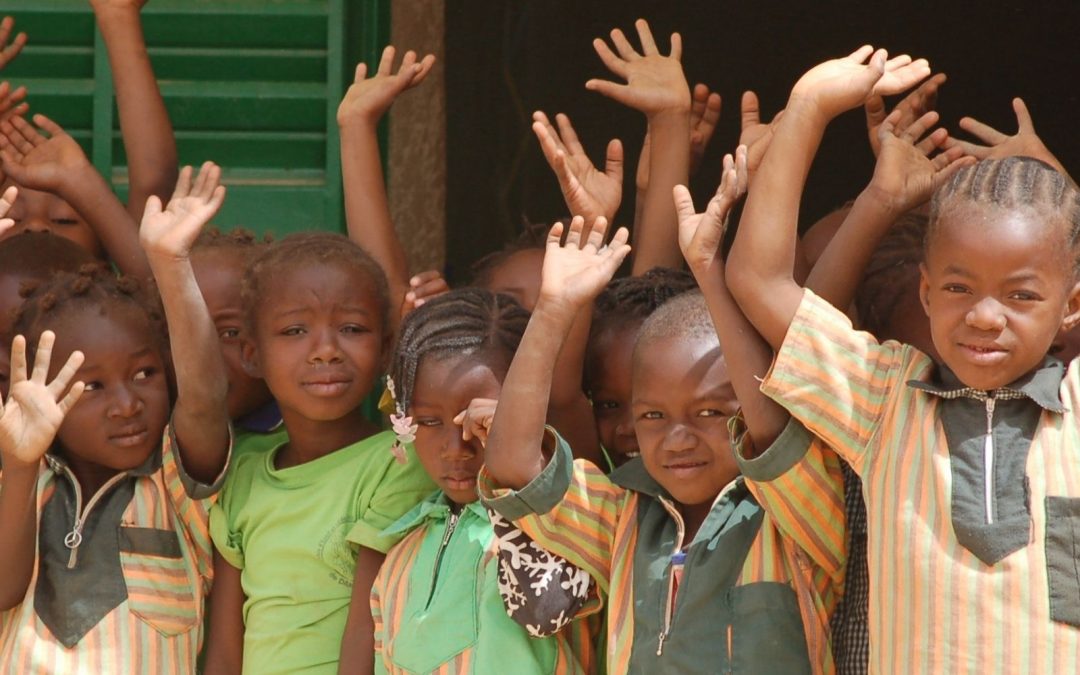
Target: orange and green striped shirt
<point>935,605</point>
<point>748,599</point>
<point>161,522</point>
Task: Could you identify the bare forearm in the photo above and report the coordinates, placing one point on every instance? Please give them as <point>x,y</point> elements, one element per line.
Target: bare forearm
<point>839,270</point>
<point>514,453</point>
<point>93,198</point>
<point>225,641</point>
<point>367,212</point>
<point>358,641</point>
<point>656,239</point>
<point>147,132</point>
<point>18,522</point>
<point>569,410</point>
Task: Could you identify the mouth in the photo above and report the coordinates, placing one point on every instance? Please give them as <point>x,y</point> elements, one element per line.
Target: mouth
<point>632,454</point>
<point>686,469</point>
<point>129,438</point>
<point>982,354</point>
<point>460,481</point>
<point>333,385</point>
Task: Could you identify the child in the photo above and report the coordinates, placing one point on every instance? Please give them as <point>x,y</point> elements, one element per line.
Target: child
<point>437,602</point>
<point>317,314</point>
<point>968,467</point>
<point>695,577</point>
<point>105,551</point>
<point>617,317</point>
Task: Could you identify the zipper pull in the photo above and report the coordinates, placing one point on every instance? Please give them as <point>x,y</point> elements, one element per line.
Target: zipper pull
<point>988,462</point>
<point>73,540</point>
<point>660,646</point>
<point>450,525</point>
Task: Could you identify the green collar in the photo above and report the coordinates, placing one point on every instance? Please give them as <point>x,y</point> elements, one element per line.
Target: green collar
<point>1041,385</point>
<point>435,507</point>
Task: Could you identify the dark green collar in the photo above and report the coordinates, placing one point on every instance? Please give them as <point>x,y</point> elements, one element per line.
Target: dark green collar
<point>633,476</point>
<point>1042,385</point>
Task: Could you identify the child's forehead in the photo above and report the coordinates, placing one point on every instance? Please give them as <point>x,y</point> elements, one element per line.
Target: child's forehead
<point>971,230</point>
<point>680,364</point>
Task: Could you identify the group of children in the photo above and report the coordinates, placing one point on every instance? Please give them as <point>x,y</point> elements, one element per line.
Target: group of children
<point>672,471</point>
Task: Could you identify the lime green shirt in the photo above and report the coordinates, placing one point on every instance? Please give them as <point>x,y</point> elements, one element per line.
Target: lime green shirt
<point>293,533</point>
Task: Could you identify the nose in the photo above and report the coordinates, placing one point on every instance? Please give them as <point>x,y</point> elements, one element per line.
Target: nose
<point>987,314</point>
<point>124,403</point>
<point>455,447</point>
<point>679,438</point>
<point>35,224</point>
<point>325,349</point>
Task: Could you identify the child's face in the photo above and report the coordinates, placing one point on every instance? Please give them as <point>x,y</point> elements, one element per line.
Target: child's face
<point>218,273</point>
<point>318,341</point>
<point>519,277</point>
<point>37,211</point>
<point>444,387</point>
<point>997,286</point>
<point>119,420</point>
<point>682,399</point>
<point>609,377</point>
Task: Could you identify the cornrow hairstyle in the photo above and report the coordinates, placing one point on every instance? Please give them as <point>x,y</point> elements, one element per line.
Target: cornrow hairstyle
<point>93,286</point>
<point>632,299</point>
<point>532,237</point>
<point>892,271</point>
<point>39,255</point>
<point>1013,183</point>
<point>466,322</point>
<point>305,249</point>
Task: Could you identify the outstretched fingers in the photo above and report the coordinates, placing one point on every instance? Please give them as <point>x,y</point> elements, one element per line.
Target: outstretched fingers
<point>66,376</point>
<point>42,358</point>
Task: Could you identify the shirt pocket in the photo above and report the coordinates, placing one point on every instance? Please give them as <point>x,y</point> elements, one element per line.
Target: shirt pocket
<point>160,589</point>
<point>1063,558</point>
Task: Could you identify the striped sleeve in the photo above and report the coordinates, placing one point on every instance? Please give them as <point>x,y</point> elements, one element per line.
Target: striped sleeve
<point>570,510</point>
<point>798,480</point>
<point>191,499</point>
<point>834,379</point>
<point>376,614</point>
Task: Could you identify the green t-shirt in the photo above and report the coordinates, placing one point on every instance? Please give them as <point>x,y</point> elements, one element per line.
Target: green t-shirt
<point>289,532</point>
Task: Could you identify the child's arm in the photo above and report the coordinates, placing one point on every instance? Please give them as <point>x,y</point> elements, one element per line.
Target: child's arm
<point>225,637</point>
<point>29,420</point>
<point>199,419</point>
<point>657,87</point>
<point>760,272</point>
<point>367,213</point>
<point>905,177</point>
<point>144,122</point>
<point>58,165</point>
<point>587,192</point>
<point>358,641</point>
<point>573,274</point>
<point>913,106</point>
<point>423,287</point>
<point>8,52</point>
<point>1025,142</point>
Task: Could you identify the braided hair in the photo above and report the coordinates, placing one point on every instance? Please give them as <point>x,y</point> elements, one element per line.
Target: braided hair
<point>892,271</point>
<point>467,321</point>
<point>308,249</point>
<point>1014,183</point>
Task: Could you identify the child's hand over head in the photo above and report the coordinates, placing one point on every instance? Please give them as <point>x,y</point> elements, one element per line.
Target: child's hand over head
<point>704,115</point>
<point>701,235</point>
<point>913,106</point>
<point>905,175</point>
<point>8,52</point>
<point>36,161</point>
<point>576,271</point>
<point>171,232</point>
<point>754,134</point>
<point>655,84</point>
<point>423,287</point>
<point>476,420</point>
<point>1025,142</point>
<point>35,408</point>
<point>841,84</point>
<point>368,99</point>
<point>588,193</point>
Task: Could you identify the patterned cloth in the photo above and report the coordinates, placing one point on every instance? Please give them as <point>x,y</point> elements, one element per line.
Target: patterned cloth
<point>850,627</point>
<point>935,606</point>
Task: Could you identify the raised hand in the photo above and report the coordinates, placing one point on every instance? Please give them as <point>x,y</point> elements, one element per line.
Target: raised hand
<point>755,135</point>
<point>171,231</point>
<point>38,162</point>
<point>12,101</point>
<point>701,235</point>
<point>655,84</point>
<point>1025,142</point>
<point>913,106</point>
<point>8,52</point>
<point>845,83</point>
<point>369,98</point>
<point>587,192</point>
<point>475,421</point>
<point>576,271</point>
<point>7,200</point>
<point>905,175</point>
<point>704,115</point>
<point>423,287</point>
<point>35,408</point>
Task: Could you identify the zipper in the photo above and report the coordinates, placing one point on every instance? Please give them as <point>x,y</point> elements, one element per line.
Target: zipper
<point>730,648</point>
<point>74,538</point>
<point>669,602</point>
<point>988,462</point>
<point>451,525</point>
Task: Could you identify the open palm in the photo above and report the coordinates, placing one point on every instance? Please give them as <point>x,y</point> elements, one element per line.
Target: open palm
<point>702,234</point>
<point>842,84</point>
<point>576,271</point>
<point>588,192</point>
<point>174,229</point>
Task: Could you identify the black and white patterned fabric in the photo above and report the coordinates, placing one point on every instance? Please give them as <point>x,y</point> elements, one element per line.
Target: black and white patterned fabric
<point>850,622</point>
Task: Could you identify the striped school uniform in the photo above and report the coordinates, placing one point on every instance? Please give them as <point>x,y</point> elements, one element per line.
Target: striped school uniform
<point>973,498</point>
<point>121,589</point>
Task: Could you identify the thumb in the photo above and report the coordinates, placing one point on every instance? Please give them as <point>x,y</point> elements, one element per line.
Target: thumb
<point>613,162</point>
<point>684,202</point>
<point>153,207</point>
<point>751,109</point>
<point>1023,117</point>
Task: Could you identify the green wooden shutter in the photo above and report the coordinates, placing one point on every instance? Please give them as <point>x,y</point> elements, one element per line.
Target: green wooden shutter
<point>250,84</point>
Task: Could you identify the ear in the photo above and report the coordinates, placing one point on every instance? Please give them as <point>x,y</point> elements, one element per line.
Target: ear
<point>1072,309</point>
<point>249,359</point>
<point>924,288</point>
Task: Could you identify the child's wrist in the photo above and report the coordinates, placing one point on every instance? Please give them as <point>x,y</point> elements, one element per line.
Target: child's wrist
<point>882,201</point>
<point>669,116</point>
<point>358,122</point>
<point>557,310</point>
<point>807,107</point>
